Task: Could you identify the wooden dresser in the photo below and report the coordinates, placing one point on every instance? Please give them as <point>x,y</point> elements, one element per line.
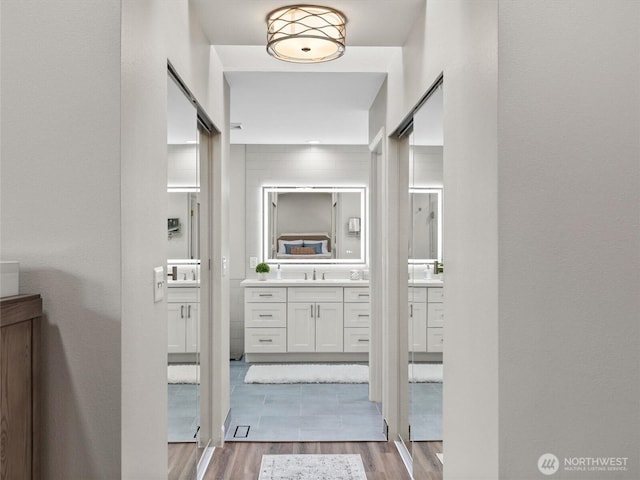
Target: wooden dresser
<point>19,337</point>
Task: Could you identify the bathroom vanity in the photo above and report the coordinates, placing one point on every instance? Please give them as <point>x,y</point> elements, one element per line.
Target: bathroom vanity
<point>326,320</point>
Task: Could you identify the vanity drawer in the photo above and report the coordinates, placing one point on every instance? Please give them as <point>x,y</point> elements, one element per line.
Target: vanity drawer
<point>435,339</point>
<point>435,314</point>
<point>356,315</point>
<point>183,295</point>
<point>265,340</point>
<point>356,294</point>
<point>436,295</point>
<point>265,294</point>
<point>314,294</point>
<point>265,314</point>
<point>356,339</point>
<point>418,294</point>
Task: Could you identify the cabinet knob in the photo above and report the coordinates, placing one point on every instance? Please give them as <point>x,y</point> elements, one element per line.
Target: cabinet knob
<point>265,340</point>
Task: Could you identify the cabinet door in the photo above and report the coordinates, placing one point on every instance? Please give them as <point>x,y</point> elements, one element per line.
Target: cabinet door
<point>301,331</point>
<point>329,327</point>
<point>177,317</point>
<point>192,327</point>
<point>418,327</point>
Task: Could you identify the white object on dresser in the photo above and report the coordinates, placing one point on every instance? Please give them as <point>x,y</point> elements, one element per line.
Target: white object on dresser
<point>183,307</point>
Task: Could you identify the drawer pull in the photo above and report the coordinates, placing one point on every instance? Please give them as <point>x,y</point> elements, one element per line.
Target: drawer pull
<point>265,340</point>
<point>265,315</point>
<point>181,311</point>
<point>363,294</point>
<point>363,340</point>
<point>363,314</point>
<point>265,294</point>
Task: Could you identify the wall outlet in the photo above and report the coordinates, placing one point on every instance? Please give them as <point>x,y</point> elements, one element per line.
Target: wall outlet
<point>158,284</point>
<point>253,261</point>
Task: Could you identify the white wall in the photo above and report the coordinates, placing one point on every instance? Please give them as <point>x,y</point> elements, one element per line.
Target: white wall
<point>61,218</point>
<point>152,33</point>
<point>536,97</point>
<point>296,165</point>
<point>569,235</point>
<point>84,210</point>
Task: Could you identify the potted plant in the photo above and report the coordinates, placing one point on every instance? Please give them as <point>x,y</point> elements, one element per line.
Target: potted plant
<point>262,269</point>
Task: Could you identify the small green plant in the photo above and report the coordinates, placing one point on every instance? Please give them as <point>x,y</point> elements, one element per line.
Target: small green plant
<point>263,268</point>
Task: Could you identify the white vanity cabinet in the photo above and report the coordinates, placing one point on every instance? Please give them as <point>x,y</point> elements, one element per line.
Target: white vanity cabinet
<point>265,320</point>
<point>184,320</point>
<point>315,319</point>
<point>435,319</point>
<point>356,319</point>
<point>426,319</point>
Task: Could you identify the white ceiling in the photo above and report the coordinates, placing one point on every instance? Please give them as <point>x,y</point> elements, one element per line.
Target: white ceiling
<point>285,103</point>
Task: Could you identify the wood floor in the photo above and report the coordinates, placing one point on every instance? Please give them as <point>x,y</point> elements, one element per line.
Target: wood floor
<point>241,460</point>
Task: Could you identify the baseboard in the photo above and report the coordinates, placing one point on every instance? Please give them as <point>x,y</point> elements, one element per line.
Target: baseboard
<point>205,459</point>
<point>406,457</point>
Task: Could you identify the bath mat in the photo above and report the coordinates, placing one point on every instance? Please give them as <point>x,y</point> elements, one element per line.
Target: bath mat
<point>312,467</point>
<point>306,373</point>
<point>183,373</point>
<point>334,373</point>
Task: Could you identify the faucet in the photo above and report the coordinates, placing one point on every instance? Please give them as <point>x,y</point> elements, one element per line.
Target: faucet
<point>314,274</point>
<point>436,268</point>
<point>173,273</point>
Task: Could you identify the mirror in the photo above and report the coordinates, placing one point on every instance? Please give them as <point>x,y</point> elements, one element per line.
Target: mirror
<point>314,224</point>
<point>425,302</point>
<point>426,236</point>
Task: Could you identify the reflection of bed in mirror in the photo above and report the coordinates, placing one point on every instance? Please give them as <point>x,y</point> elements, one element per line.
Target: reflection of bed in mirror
<point>304,246</point>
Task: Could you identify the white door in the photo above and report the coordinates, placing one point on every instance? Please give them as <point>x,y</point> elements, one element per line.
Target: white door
<point>301,327</point>
<point>329,327</point>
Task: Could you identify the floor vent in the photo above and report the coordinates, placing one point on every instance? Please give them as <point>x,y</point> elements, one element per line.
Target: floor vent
<point>242,431</point>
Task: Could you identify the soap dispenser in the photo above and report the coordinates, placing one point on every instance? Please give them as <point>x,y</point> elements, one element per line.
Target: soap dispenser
<point>278,273</point>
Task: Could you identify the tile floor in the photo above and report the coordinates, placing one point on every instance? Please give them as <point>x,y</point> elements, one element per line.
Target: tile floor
<point>183,417</point>
<point>301,412</point>
<point>304,412</point>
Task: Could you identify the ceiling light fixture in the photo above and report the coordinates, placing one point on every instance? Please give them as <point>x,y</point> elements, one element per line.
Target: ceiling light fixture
<point>306,33</point>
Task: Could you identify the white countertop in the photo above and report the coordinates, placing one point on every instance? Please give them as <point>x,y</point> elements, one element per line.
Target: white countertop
<point>183,283</point>
<point>331,282</point>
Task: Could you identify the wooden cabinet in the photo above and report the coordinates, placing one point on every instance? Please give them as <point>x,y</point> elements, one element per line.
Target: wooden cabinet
<point>19,343</point>
<point>184,320</point>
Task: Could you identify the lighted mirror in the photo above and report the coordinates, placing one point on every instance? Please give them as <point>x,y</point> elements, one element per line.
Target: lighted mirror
<point>314,224</point>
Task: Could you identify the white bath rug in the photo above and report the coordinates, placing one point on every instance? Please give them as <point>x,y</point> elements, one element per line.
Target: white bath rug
<point>307,373</point>
<point>183,374</point>
<point>335,373</point>
<point>425,372</point>
<point>312,467</point>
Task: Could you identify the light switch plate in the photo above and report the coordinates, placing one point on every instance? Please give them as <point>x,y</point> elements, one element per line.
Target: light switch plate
<point>158,284</point>
<point>253,261</point>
